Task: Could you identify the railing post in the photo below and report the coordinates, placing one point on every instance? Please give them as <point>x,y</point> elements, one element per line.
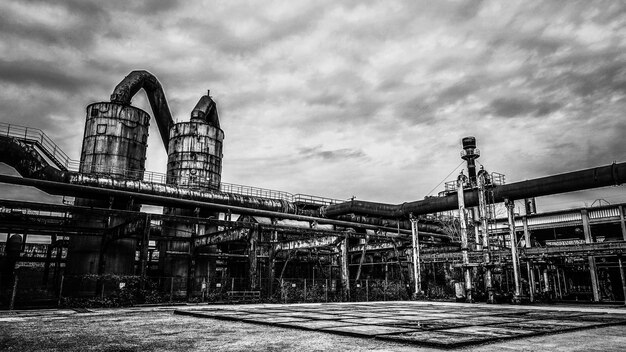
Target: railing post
<point>171,289</point>
<point>60,290</point>
<point>326,291</point>
<point>12,304</point>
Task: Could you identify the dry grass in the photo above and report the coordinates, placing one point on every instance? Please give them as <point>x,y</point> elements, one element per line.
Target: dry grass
<point>160,330</point>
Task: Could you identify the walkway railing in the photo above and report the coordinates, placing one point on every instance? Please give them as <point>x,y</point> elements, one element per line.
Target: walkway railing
<point>64,162</point>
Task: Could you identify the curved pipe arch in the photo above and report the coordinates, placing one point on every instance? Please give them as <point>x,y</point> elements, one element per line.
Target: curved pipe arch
<point>131,84</point>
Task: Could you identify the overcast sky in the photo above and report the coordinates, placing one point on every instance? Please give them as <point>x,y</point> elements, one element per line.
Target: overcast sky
<point>340,98</point>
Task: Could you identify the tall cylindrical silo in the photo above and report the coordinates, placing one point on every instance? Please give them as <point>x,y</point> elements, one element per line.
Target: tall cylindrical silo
<point>194,161</point>
<point>114,145</point>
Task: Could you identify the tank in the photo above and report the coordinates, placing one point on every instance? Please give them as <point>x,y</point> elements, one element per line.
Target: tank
<point>194,161</point>
<point>115,142</point>
<point>195,155</point>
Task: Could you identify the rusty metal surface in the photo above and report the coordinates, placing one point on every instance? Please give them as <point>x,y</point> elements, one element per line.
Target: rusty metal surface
<point>115,142</point>
<point>195,155</point>
<point>309,243</point>
<point>206,111</point>
<point>145,197</point>
<point>137,80</point>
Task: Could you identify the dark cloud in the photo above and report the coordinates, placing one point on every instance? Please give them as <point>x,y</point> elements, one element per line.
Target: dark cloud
<point>459,90</point>
<point>515,107</point>
<point>150,7</point>
<point>88,20</point>
<point>609,77</point>
<point>331,155</point>
<point>42,74</point>
<point>223,36</point>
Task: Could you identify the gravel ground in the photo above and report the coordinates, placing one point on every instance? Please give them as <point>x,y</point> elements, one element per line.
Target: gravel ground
<point>158,329</point>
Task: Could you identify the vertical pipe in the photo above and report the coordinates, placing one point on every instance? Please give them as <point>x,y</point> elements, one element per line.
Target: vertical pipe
<point>252,259</point>
<point>565,290</point>
<point>514,258</point>
<point>143,254</point>
<point>623,277</point>
<point>416,257</point>
<point>271,268</point>
<point>621,221</point>
<point>460,182</point>
<point>476,222</point>
<point>593,270</point>
<point>13,293</point>
<point>558,283</point>
<point>531,280</point>
<point>482,207</point>
<point>60,290</point>
<point>345,275</point>
<point>326,291</point>
<point>546,281</point>
<point>526,232</point>
<point>358,272</point>
<point>171,289</point>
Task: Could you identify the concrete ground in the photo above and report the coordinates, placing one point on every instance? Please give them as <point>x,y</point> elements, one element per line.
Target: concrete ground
<point>159,329</point>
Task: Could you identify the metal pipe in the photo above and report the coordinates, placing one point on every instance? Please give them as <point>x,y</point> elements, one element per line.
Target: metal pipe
<point>416,256</point>
<point>403,224</point>
<point>61,188</point>
<point>602,176</point>
<point>460,182</point>
<point>531,281</point>
<point>622,276</point>
<point>345,273</point>
<point>510,205</point>
<point>593,270</point>
<point>621,222</point>
<point>482,207</point>
<point>137,80</point>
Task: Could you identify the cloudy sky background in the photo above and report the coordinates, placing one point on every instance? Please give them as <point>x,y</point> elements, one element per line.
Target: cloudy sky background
<point>341,99</point>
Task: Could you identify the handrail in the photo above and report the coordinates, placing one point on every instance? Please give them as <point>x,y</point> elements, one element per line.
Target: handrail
<point>37,136</point>
<point>52,150</point>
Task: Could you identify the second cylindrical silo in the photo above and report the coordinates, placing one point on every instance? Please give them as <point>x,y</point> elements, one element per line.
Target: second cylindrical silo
<point>194,161</point>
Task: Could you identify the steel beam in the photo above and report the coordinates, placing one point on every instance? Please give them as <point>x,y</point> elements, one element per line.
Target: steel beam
<point>309,243</point>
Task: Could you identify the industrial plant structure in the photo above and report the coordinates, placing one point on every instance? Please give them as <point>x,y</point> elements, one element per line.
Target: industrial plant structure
<point>219,241</point>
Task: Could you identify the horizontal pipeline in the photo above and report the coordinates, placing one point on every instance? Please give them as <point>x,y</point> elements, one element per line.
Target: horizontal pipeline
<point>61,188</point>
<point>602,176</point>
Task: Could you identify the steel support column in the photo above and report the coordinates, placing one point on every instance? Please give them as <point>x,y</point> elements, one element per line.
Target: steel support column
<point>252,259</point>
<point>622,276</point>
<point>593,270</point>
<point>345,274</point>
<point>510,206</point>
<point>621,221</point>
<point>417,278</point>
<point>143,253</point>
<point>531,280</point>
<point>460,182</point>
<point>482,207</point>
